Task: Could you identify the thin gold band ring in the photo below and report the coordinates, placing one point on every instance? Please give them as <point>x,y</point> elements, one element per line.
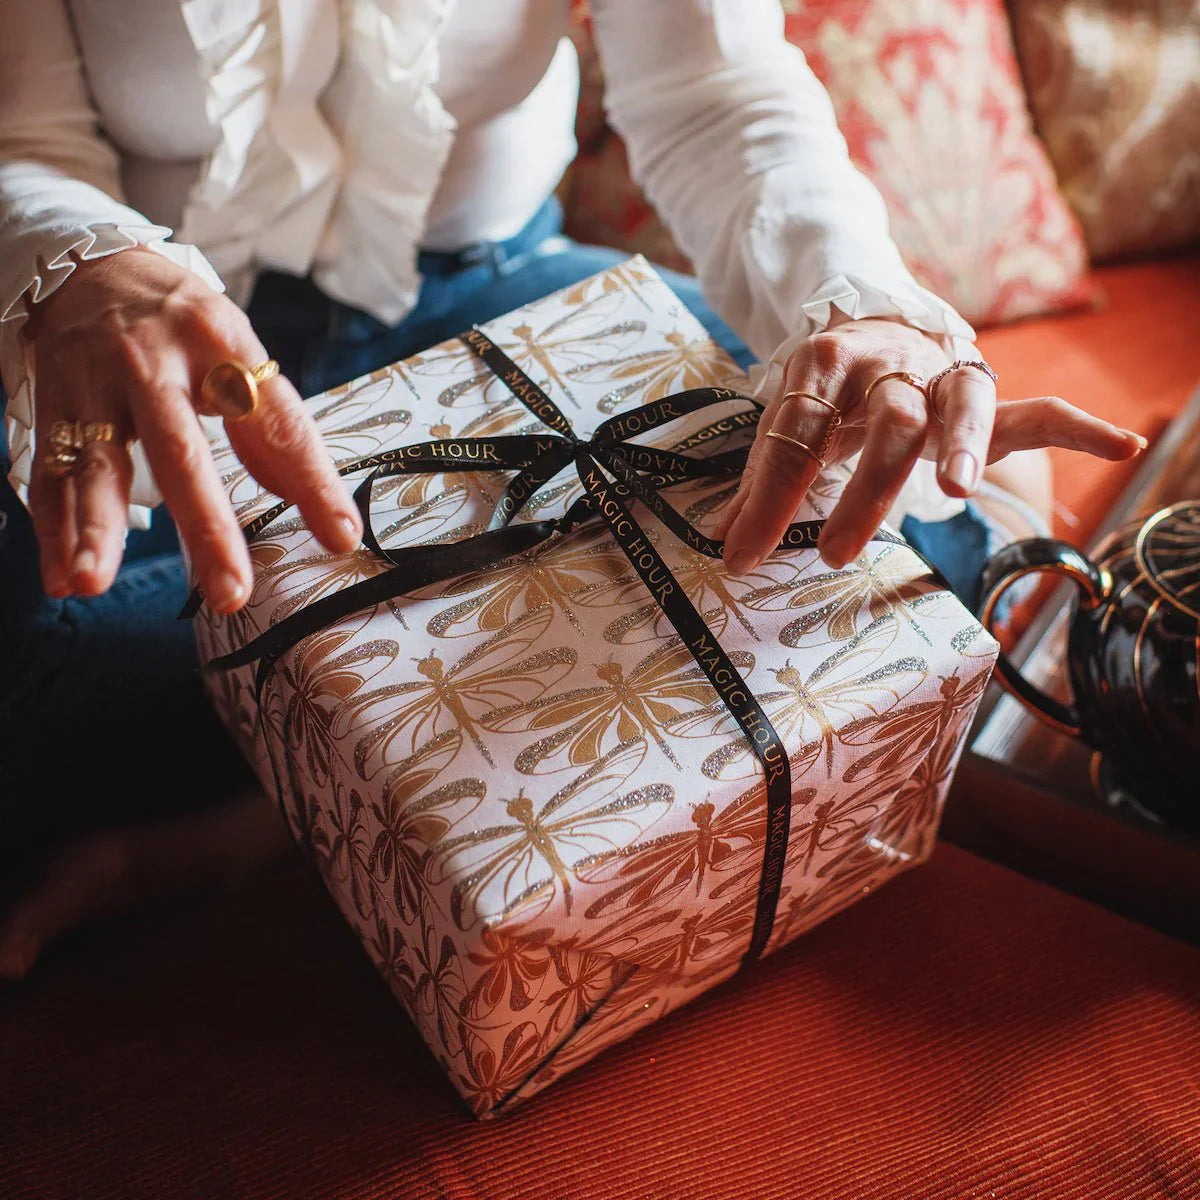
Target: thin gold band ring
<point>783,437</point>
<point>904,376</point>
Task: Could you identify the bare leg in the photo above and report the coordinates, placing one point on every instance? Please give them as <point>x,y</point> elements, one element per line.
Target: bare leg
<point>115,871</point>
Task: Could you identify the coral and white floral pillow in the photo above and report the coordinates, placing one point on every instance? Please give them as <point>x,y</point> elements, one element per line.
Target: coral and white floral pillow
<point>929,99</point>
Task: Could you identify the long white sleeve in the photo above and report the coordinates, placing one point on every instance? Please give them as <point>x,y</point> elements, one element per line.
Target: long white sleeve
<point>735,142</point>
<point>59,192</point>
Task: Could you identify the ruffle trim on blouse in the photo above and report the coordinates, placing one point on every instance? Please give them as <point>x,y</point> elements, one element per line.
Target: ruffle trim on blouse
<point>266,188</point>
<point>921,495</point>
<point>48,275</point>
<point>397,136</point>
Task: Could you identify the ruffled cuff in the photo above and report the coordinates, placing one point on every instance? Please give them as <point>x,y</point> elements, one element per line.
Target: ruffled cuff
<point>843,297</point>
<point>46,275</point>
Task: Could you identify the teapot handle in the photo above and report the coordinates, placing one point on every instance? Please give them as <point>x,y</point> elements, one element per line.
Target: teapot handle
<point>1004,569</point>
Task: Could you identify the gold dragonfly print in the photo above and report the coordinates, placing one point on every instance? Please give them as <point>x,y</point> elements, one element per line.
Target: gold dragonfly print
<point>546,575</point>
<point>544,350</point>
<point>717,596</point>
<point>878,582</point>
<point>504,670</point>
<point>360,419</point>
<point>389,950</point>
<point>513,968</point>
<point>681,364</point>
<point>622,705</point>
<point>349,846</point>
<point>519,864</point>
<point>324,672</point>
<point>413,813</point>
<point>703,939</point>
<point>900,738</point>
<point>811,708</point>
<point>299,581</point>
<point>721,849</point>
<point>628,276</point>
<point>489,1075</point>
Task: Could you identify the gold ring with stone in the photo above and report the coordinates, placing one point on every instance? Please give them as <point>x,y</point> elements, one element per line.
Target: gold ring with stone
<point>230,389</point>
<point>97,431</point>
<point>60,463</point>
<point>65,440</point>
<point>957,365</point>
<point>905,376</point>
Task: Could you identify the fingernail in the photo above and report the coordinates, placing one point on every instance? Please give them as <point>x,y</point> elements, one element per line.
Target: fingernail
<point>962,470</point>
<point>227,593</point>
<point>834,554</point>
<point>350,526</point>
<point>1142,443</point>
<point>85,562</point>
<point>740,562</point>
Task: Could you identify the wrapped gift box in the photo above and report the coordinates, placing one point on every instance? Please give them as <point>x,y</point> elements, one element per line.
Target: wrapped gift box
<point>521,788</point>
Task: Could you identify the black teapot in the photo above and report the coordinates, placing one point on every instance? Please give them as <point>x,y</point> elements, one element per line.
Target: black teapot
<point>1133,655</point>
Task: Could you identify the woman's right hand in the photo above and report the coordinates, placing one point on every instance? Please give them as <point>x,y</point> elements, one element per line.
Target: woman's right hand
<point>128,340</point>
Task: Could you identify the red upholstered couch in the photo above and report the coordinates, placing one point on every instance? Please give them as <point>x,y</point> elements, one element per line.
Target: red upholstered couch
<point>965,1033</point>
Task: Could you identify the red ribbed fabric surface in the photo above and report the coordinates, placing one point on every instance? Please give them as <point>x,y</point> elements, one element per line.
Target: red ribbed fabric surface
<point>963,1034</point>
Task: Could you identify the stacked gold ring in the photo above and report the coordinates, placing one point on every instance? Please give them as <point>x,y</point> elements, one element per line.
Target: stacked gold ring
<point>230,389</point>
<point>67,440</point>
<point>836,420</point>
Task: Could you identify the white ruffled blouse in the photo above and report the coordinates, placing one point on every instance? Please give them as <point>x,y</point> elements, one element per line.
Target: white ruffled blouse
<point>339,136</point>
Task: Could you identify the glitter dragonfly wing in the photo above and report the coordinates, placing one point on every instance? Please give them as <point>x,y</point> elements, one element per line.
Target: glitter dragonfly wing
<point>546,575</point>
<point>360,418</point>
<point>716,595</point>
<point>857,680</point>
<point>517,866</point>
<point>506,669</point>
<point>879,581</point>
<point>908,735</point>
<point>326,670</point>
<point>588,721</point>
<point>413,814</point>
<point>657,871</point>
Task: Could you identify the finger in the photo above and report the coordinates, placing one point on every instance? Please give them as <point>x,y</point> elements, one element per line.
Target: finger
<point>52,508</point>
<point>1051,421</point>
<point>184,471</point>
<point>897,418</point>
<point>966,402</point>
<point>779,473</point>
<point>102,479</point>
<point>784,473</point>
<point>280,445</point>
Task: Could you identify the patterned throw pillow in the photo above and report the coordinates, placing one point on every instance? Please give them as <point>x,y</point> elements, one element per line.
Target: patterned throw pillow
<point>929,98</point>
<point>1115,88</point>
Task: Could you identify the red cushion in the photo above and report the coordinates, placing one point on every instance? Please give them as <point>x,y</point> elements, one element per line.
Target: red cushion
<point>964,1033</point>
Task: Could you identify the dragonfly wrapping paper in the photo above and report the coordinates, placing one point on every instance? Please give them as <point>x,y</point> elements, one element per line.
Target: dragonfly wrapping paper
<point>518,781</point>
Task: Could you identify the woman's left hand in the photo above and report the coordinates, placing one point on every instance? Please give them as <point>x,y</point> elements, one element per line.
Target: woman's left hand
<point>892,428</point>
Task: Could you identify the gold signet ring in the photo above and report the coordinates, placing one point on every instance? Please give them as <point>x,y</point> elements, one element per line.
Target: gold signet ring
<point>230,389</point>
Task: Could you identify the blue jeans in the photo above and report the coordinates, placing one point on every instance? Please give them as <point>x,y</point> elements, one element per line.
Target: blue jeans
<point>102,715</point>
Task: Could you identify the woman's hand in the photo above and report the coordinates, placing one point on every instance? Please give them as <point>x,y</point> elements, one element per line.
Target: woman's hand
<point>128,340</point>
<point>893,429</point>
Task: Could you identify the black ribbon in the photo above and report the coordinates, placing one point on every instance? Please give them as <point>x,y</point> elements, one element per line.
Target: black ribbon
<point>614,472</point>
